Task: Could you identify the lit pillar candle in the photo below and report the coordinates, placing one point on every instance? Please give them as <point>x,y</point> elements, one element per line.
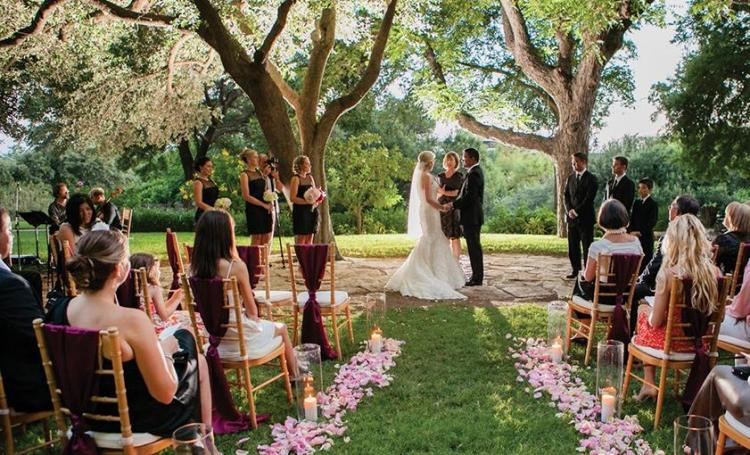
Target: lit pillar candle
<point>556,351</point>
<point>376,342</point>
<point>609,401</point>
<point>311,409</point>
<point>310,403</point>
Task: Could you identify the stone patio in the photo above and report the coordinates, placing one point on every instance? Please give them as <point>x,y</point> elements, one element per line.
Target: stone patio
<point>509,279</point>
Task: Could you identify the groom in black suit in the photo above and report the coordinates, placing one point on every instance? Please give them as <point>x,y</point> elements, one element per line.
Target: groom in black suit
<point>469,202</point>
<point>580,191</point>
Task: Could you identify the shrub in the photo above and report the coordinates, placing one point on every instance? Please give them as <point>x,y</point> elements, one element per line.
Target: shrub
<point>385,221</point>
<point>522,221</point>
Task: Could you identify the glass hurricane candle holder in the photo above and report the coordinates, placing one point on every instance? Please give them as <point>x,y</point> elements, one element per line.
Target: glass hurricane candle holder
<point>193,438</point>
<point>693,435</point>
<point>309,382</point>
<point>557,312</point>
<point>375,309</point>
<point>609,377</point>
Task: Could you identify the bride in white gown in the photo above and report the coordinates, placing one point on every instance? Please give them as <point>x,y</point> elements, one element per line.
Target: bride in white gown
<point>430,271</point>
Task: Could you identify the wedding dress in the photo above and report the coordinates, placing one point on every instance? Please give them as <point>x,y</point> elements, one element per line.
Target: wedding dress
<point>430,271</point>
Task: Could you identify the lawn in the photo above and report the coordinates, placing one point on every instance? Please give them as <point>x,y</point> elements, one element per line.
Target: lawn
<point>368,245</point>
<point>455,390</point>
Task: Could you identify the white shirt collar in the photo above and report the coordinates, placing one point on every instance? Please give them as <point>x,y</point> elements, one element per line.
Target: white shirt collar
<point>643,199</point>
<point>579,174</point>
<point>4,266</point>
<point>468,169</point>
<point>617,179</point>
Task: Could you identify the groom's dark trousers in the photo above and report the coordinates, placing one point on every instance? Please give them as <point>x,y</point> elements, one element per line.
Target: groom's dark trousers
<point>471,234</point>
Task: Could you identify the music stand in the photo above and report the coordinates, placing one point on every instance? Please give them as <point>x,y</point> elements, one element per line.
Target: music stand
<point>35,218</point>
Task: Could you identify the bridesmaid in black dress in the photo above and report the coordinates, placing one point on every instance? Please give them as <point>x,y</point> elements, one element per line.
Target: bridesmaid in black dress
<point>205,190</point>
<point>304,217</point>
<point>450,183</point>
<point>257,211</point>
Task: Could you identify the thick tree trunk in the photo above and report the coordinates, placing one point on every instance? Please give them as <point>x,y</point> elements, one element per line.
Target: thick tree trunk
<point>186,159</point>
<point>317,160</point>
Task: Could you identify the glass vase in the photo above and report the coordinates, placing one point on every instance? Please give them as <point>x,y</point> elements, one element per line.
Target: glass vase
<point>375,309</point>
<point>609,377</point>
<point>193,438</point>
<point>309,382</point>
<point>557,312</point>
<point>693,435</point>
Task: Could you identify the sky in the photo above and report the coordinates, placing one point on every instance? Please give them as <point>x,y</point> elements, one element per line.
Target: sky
<point>656,61</point>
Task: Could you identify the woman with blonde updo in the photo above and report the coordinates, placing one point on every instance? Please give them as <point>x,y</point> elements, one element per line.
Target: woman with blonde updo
<point>304,216</point>
<point>257,211</point>
<point>687,254</point>
<point>430,271</point>
<point>167,380</point>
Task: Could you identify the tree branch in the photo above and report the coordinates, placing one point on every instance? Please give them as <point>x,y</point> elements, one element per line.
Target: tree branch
<point>525,54</point>
<point>278,26</point>
<point>289,94</point>
<point>516,78</point>
<point>49,6</point>
<point>37,24</point>
<point>435,66</point>
<point>171,62</point>
<point>566,46</point>
<point>337,107</point>
<point>506,136</point>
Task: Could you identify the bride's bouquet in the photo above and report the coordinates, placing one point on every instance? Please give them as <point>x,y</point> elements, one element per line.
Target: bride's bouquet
<point>315,196</point>
<point>270,196</point>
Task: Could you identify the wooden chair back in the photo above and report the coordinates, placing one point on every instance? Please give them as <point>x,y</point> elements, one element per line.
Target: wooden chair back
<point>8,420</point>
<point>141,289</point>
<point>677,304</point>
<point>69,283</point>
<point>262,272</point>
<point>605,281</point>
<point>188,252</point>
<point>127,221</point>
<point>109,348</point>
<point>743,254</point>
<point>329,276</point>
<point>172,239</point>
<point>231,301</point>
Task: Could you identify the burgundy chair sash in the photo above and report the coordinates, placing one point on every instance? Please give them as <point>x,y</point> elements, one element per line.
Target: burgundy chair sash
<point>250,255</point>
<point>698,326</point>
<point>209,298</point>
<point>624,266</point>
<point>312,263</point>
<point>174,260</point>
<point>74,352</point>
<point>126,292</point>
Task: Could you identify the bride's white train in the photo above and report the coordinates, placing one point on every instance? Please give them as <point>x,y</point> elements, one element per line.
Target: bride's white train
<point>430,271</point>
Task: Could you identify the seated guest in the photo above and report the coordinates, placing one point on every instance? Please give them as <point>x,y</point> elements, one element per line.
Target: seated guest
<point>79,213</point>
<point>738,312</point>
<point>105,210</point>
<point>613,218</point>
<point>215,255</point>
<point>687,254</point>
<point>737,222</point>
<point>643,219</point>
<point>646,284</point>
<point>20,363</point>
<point>167,381</point>
<point>56,209</point>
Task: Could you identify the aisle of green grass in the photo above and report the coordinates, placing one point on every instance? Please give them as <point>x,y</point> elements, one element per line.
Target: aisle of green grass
<point>367,245</point>
<point>455,390</point>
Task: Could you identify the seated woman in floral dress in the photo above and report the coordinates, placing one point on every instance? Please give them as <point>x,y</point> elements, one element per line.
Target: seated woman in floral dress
<point>687,254</point>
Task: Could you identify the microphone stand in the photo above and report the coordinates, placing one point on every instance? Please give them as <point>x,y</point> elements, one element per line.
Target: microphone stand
<point>277,212</point>
<point>18,225</point>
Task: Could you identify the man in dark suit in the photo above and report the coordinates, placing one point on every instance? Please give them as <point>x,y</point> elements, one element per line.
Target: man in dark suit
<point>580,191</point>
<point>20,362</point>
<point>470,203</point>
<point>643,219</point>
<point>620,187</point>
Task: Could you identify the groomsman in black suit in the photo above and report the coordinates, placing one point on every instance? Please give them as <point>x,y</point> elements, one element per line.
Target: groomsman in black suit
<point>470,204</point>
<point>620,187</point>
<point>643,219</point>
<point>580,191</point>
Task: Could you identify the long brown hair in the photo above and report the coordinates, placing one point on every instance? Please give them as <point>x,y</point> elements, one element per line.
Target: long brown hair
<point>214,240</point>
